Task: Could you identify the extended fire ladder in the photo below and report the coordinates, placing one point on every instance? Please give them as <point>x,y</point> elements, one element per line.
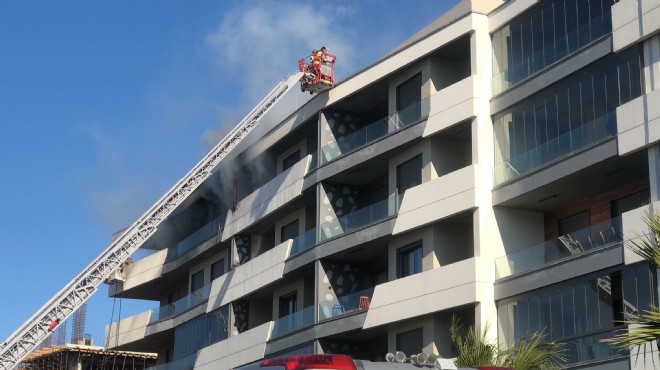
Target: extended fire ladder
<point>26,339</point>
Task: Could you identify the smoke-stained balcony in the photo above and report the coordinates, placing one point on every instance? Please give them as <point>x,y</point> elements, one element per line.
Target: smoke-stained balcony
<point>276,193</point>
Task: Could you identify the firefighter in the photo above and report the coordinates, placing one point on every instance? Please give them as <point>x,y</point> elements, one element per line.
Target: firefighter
<point>53,324</point>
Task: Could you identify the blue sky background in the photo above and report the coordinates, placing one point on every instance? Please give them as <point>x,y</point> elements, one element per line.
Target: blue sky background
<point>104,105</point>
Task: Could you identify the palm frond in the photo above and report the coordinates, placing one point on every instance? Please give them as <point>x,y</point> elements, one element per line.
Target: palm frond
<point>533,354</point>
<point>642,329</point>
<point>472,345</point>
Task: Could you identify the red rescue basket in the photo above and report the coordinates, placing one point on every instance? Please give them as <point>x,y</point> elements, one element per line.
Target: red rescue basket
<point>319,74</point>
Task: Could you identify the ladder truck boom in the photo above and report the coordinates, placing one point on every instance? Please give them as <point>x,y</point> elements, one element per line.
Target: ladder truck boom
<point>63,304</point>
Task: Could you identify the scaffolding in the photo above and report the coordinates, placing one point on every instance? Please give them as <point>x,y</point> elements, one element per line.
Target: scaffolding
<point>80,357</point>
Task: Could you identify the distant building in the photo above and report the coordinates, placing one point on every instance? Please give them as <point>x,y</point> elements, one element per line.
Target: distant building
<point>489,167</point>
<point>86,357</point>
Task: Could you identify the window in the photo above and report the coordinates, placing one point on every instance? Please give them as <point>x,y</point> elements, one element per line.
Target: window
<point>409,174</point>
<point>410,260</point>
<point>217,269</point>
<point>408,100</point>
<point>197,281</point>
<point>289,231</point>
<point>288,304</point>
<point>410,342</point>
<point>290,160</point>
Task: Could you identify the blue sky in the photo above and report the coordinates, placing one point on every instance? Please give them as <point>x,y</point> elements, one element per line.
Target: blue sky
<point>106,104</point>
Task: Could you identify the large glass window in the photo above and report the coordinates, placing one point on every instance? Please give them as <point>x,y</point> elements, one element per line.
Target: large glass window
<point>544,34</point>
<point>567,116</point>
<point>408,100</point>
<point>289,231</point>
<point>197,281</point>
<point>290,160</point>
<point>409,174</point>
<point>201,332</point>
<point>579,313</point>
<point>288,304</point>
<point>410,260</point>
<point>217,269</point>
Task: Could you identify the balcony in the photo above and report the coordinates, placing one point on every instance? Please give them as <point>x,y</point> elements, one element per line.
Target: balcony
<point>345,305</point>
<point>249,277</point>
<point>196,238</point>
<point>592,238</point>
<point>590,133</point>
<point>303,242</point>
<point>295,321</point>
<point>360,218</point>
<point>184,304</point>
<point>375,130</point>
<point>268,198</point>
<point>552,52</point>
<point>236,350</point>
<point>127,331</point>
<point>457,284</point>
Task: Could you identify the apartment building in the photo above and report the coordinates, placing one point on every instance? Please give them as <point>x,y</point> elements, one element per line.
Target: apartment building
<point>490,167</point>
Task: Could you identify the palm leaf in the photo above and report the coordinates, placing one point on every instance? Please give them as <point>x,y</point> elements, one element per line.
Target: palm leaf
<point>643,328</point>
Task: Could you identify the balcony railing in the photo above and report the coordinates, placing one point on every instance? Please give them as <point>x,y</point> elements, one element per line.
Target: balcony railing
<point>186,363</point>
<point>589,348</point>
<point>567,143</point>
<point>196,238</point>
<point>293,322</point>
<point>182,305</point>
<point>552,52</point>
<point>345,305</point>
<point>303,242</point>
<point>590,238</point>
<point>377,129</point>
<point>360,218</point>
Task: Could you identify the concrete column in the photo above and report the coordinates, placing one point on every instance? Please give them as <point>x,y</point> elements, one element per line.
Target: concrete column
<point>654,172</point>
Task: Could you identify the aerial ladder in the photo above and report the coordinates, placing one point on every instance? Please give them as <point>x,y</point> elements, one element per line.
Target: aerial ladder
<point>37,328</point>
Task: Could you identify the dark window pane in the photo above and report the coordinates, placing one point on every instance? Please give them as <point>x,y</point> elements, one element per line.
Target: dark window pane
<point>408,99</point>
<point>290,160</point>
<point>409,174</point>
<point>288,304</point>
<point>290,231</point>
<point>410,260</point>
<point>217,269</point>
<point>410,342</point>
<point>197,281</point>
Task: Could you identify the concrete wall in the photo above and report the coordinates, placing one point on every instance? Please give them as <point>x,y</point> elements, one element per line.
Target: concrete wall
<point>634,227</point>
<point>633,21</point>
<point>235,351</point>
<point>299,215</point>
<point>145,270</point>
<point>438,199</point>
<point>245,279</point>
<point>638,122</point>
<point>131,329</point>
<point>454,285</point>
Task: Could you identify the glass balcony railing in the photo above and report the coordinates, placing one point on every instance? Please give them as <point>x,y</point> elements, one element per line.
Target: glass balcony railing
<point>196,238</point>
<point>348,304</point>
<point>589,348</point>
<point>552,52</point>
<point>162,313</point>
<point>303,241</point>
<point>575,243</point>
<point>294,321</point>
<point>182,305</point>
<point>360,218</point>
<point>186,363</point>
<point>567,143</point>
<point>394,122</point>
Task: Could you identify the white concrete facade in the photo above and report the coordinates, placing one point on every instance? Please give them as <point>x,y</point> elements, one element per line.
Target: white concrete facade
<point>401,227</point>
